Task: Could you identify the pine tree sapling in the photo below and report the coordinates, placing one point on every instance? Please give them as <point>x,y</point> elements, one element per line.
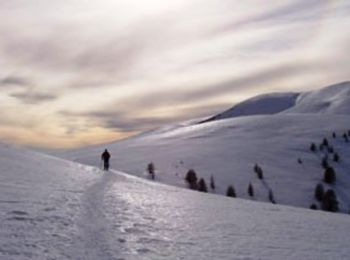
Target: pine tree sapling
<point>345,136</point>
<point>336,157</point>
<point>259,171</point>
<point>212,182</point>
<point>191,178</point>
<point>251,190</point>
<point>202,186</point>
<point>329,175</point>
<point>271,197</point>
<point>319,192</point>
<point>313,147</point>
<point>325,163</point>
<point>313,206</point>
<point>330,201</point>
<point>334,135</point>
<point>151,170</point>
<point>231,192</point>
<point>325,142</point>
<point>330,149</point>
<point>300,161</point>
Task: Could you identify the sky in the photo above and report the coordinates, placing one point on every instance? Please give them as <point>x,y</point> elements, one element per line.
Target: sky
<point>81,72</point>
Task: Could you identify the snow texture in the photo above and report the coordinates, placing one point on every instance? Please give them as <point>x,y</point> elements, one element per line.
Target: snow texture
<point>56,209</point>
<point>228,149</point>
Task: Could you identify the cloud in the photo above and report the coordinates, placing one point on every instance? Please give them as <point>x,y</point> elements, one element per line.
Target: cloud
<point>13,81</point>
<point>33,98</point>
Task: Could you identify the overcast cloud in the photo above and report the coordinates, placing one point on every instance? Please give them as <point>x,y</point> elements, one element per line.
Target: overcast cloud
<point>86,71</point>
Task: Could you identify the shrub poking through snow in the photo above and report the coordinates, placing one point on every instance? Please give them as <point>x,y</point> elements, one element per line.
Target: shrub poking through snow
<point>319,192</point>
<point>345,136</point>
<point>325,163</point>
<point>325,142</point>
<point>250,190</point>
<point>259,171</point>
<point>329,175</point>
<point>231,192</point>
<point>212,182</point>
<point>191,179</point>
<point>313,206</point>
<point>336,157</point>
<point>151,170</point>
<point>202,186</point>
<point>313,147</point>
<point>272,197</point>
<point>334,135</point>
<point>330,201</point>
<point>300,161</point>
<point>330,149</point>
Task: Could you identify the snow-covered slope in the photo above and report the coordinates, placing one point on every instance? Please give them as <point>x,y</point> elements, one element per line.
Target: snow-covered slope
<point>55,209</point>
<point>261,105</point>
<point>330,100</point>
<point>228,149</point>
<point>334,99</point>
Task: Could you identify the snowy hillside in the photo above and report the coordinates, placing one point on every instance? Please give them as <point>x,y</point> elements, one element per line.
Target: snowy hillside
<point>334,99</point>
<point>228,149</point>
<point>261,105</point>
<point>56,209</point>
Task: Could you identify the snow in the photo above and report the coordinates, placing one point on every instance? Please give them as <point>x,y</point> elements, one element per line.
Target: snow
<point>56,209</point>
<point>261,105</point>
<point>228,149</point>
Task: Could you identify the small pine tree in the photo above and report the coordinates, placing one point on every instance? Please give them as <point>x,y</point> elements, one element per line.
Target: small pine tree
<point>300,161</point>
<point>272,197</point>
<point>191,178</point>
<point>336,157</point>
<point>334,135</point>
<point>313,147</point>
<point>325,163</point>
<point>325,142</point>
<point>345,136</point>
<point>313,206</point>
<point>212,182</point>
<point>319,192</point>
<point>231,192</point>
<point>151,170</point>
<point>251,190</point>
<point>259,171</point>
<point>321,147</point>
<point>329,175</point>
<point>202,186</point>
<point>330,201</point>
<point>330,149</point>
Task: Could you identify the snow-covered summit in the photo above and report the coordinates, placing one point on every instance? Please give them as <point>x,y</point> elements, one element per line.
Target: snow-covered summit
<point>266,104</point>
<point>334,99</point>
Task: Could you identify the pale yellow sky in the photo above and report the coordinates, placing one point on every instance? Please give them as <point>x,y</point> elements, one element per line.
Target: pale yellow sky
<point>81,72</point>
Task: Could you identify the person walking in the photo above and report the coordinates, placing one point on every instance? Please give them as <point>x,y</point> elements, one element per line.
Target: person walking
<point>105,158</point>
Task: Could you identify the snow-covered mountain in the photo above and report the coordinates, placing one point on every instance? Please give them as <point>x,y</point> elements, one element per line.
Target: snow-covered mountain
<point>228,149</point>
<point>56,209</point>
<point>334,99</point>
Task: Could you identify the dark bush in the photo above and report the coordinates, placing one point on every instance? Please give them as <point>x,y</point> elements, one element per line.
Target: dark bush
<point>202,186</point>
<point>336,157</point>
<point>329,175</point>
<point>334,135</point>
<point>313,206</point>
<point>325,163</point>
<point>325,142</point>
<point>313,147</point>
<point>259,171</point>
<point>151,170</point>
<point>191,178</point>
<point>272,197</point>
<point>330,202</point>
<point>251,190</point>
<point>231,192</point>
<point>319,192</point>
<point>212,183</point>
